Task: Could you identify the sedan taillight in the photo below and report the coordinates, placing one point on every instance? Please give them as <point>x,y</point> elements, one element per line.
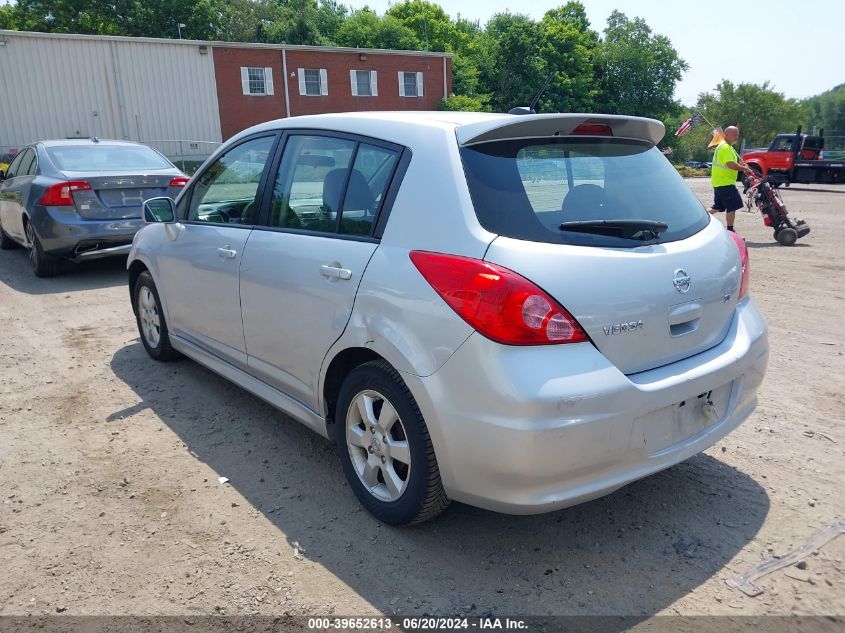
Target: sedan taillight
<point>178,181</point>
<point>61,194</point>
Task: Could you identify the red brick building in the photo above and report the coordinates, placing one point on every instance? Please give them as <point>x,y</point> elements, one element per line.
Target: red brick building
<point>257,83</point>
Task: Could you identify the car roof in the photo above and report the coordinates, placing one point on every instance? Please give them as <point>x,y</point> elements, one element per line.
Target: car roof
<point>87,142</point>
<point>407,127</point>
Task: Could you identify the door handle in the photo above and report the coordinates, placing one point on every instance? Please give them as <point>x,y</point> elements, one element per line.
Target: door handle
<point>335,272</point>
<point>227,253</point>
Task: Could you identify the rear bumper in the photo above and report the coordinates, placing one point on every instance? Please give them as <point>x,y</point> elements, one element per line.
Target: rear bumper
<point>66,234</point>
<point>528,430</point>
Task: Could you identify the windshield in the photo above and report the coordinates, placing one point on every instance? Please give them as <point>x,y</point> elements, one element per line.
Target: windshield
<point>102,157</point>
<point>528,188</point>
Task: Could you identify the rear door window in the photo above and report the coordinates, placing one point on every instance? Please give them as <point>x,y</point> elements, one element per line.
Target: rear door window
<point>28,164</point>
<point>331,185</point>
<point>527,188</point>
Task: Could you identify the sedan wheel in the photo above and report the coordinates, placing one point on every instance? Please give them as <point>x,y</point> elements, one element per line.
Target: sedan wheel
<point>42,265</point>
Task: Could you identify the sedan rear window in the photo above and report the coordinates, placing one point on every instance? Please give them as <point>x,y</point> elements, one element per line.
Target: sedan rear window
<point>561,191</point>
<point>102,157</point>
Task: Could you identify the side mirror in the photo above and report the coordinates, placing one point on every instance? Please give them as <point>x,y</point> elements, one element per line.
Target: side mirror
<point>159,210</point>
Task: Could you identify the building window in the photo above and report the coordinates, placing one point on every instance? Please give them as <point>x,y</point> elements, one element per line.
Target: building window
<point>410,84</point>
<point>313,82</point>
<point>364,83</point>
<point>257,82</point>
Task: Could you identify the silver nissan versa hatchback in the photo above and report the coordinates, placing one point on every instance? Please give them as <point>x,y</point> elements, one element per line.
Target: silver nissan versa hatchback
<point>521,313</point>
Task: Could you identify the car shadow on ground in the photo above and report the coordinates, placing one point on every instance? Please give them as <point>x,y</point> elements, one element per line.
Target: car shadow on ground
<point>16,273</point>
<point>632,553</point>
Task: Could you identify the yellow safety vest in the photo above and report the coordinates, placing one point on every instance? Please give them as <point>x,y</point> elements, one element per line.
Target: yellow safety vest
<point>720,173</point>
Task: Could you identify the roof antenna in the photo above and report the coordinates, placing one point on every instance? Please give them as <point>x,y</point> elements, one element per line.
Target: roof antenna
<point>94,139</point>
<point>530,109</point>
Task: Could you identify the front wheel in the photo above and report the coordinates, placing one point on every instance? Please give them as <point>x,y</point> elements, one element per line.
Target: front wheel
<point>385,449</point>
<point>151,323</point>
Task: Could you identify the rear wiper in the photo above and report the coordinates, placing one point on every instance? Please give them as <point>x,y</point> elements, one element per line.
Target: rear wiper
<point>628,229</point>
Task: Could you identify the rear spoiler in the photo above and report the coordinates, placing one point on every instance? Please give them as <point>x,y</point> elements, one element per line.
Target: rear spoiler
<point>546,125</point>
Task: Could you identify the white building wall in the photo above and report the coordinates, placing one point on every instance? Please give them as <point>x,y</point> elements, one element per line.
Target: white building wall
<point>60,86</point>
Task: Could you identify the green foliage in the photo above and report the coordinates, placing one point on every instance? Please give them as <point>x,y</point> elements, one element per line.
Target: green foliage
<point>151,18</point>
<point>7,18</point>
<point>365,29</point>
<point>567,50</point>
<point>759,111</point>
<point>463,103</point>
<point>827,111</point>
<point>637,69</point>
<point>515,72</point>
<point>432,27</point>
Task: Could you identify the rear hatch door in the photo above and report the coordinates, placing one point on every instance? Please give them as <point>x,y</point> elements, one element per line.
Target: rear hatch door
<point>642,307</point>
<point>568,207</point>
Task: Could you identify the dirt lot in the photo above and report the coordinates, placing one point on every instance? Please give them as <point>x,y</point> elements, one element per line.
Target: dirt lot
<point>109,467</point>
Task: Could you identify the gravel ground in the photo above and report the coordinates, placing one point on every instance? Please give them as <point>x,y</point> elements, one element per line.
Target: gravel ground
<point>111,504</point>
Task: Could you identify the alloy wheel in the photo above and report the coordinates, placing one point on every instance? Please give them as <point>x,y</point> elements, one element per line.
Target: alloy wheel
<point>148,316</point>
<point>378,445</point>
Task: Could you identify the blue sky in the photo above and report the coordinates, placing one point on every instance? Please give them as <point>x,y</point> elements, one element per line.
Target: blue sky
<point>798,46</point>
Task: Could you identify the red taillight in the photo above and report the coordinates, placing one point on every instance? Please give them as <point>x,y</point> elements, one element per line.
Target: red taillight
<point>178,181</point>
<point>499,303</point>
<point>742,247</point>
<point>587,129</point>
<point>61,194</point>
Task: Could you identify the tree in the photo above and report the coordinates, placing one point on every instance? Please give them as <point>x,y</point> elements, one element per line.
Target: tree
<point>429,22</point>
<point>7,18</point>
<point>151,18</point>
<point>365,29</point>
<point>567,51</point>
<point>247,20</point>
<point>464,103</point>
<point>758,111</point>
<point>515,70</point>
<point>637,69</point>
<point>330,17</point>
<point>298,23</point>
<point>827,111</point>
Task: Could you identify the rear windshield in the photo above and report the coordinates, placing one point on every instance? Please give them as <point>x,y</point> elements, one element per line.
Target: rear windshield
<point>107,158</point>
<point>526,188</point>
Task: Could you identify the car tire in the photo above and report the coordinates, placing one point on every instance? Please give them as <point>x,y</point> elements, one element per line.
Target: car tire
<point>388,459</point>
<point>42,264</point>
<point>149,316</point>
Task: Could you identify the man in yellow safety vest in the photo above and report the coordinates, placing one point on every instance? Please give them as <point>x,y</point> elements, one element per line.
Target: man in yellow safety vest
<point>723,173</point>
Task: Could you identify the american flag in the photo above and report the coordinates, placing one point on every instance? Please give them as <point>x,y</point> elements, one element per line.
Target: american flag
<point>686,125</point>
